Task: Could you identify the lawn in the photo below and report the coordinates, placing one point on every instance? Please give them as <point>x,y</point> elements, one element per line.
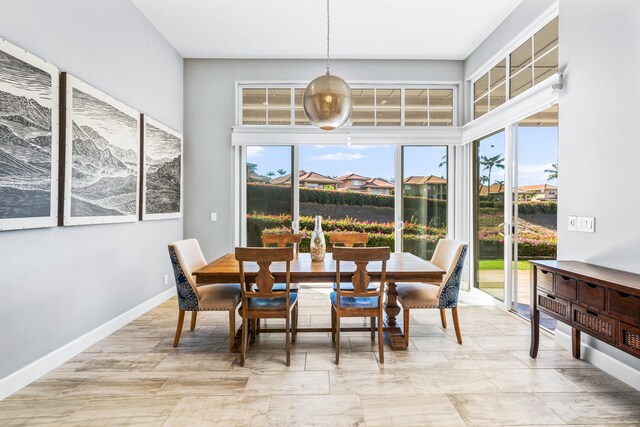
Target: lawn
<point>498,264</point>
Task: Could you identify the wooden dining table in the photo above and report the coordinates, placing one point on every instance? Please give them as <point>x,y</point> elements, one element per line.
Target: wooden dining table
<point>401,267</point>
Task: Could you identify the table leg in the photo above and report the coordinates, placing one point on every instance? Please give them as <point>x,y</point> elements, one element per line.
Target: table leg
<point>392,309</point>
<point>575,343</point>
<point>535,317</point>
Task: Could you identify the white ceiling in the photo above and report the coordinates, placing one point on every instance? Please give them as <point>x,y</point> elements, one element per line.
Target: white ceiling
<point>369,29</point>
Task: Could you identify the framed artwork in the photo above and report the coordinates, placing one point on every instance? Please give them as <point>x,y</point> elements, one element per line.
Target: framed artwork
<point>161,171</point>
<point>29,109</point>
<point>101,156</point>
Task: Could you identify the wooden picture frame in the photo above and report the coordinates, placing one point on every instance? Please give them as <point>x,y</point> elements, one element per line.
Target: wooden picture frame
<point>161,187</point>
<point>29,145</point>
<point>101,156</point>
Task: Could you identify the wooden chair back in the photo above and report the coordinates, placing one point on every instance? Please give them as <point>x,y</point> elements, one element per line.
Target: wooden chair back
<point>361,279</point>
<point>264,280</point>
<point>282,240</point>
<point>349,239</point>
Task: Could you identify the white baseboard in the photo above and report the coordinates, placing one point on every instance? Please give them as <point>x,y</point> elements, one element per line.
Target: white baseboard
<point>14,382</point>
<point>610,365</point>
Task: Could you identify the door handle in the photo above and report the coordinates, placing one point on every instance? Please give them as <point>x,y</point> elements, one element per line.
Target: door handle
<point>400,225</point>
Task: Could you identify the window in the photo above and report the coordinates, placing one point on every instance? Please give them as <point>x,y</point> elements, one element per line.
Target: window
<point>407,105</point>
<point>530,63</point>
<point>356,182</point>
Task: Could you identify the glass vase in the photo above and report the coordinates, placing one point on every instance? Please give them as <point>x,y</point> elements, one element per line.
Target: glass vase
<point>318,247</point>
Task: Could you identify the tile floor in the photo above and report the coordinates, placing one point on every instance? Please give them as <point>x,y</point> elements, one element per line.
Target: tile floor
<point>136,377</point>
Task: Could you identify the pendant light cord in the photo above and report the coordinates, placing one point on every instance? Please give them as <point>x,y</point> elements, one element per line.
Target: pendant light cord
<point>328,34</point>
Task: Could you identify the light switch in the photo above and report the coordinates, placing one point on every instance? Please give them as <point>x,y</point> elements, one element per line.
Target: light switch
<point>214,216</point>
<point>572,223</point>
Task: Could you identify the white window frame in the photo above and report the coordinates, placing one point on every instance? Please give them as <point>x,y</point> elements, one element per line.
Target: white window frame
<point>240,85</point>
<point>504,54</point>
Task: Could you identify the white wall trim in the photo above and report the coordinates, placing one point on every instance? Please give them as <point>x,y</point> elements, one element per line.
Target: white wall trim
<point>243,135</point>
<point>15,381</point>
<point>599,359</point>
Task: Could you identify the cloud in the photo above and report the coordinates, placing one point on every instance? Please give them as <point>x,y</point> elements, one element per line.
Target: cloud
<point>254,151</point>
<point>338,156</point>
<point>534,172</point>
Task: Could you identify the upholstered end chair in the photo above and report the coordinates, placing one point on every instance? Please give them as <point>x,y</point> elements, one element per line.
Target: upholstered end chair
<point>448,255</point>
<point>186,257</point>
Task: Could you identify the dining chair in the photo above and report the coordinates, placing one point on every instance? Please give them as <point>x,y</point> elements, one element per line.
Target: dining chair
<point>186,257</point>
<point>349,239</point>
<point>282,240</point>
<point>449,255</point>
<point>260,300</point>
<point>359,300</point>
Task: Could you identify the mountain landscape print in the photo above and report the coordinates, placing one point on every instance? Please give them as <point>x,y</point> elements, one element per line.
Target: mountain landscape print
<point>28,139</point>
<point>162,181</point>
<point>102,155</point>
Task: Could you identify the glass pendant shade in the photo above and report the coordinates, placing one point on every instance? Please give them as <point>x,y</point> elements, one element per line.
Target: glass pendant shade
<point>328,102</point>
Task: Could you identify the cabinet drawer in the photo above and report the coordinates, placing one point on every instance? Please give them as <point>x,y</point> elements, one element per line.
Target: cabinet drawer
<point>624,306</point>
<point>591,295</point>
<point>556,307</point>
<point>544,280</point>
<point>596,324</point>
<point>566,287</point>
<point>629,338</point>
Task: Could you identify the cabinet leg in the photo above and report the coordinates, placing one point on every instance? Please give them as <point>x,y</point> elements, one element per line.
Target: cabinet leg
<point>575,343</point>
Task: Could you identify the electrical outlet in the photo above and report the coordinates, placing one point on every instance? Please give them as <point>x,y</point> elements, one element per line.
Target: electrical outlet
<point>166,280</point>
<point>572,223</point>
<point>214,216</point>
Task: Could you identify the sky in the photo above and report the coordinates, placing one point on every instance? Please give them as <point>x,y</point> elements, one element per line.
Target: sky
<point>335,160</point>
<point>537,151</point>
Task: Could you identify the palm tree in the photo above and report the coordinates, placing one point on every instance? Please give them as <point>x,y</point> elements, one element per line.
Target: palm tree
<point>483,181</point>
<point>281,171</point>
<point>490,163</point>
<point>500,183</point>
<point>271,174</point>
<point>443,161</point>
<point>553,172</point>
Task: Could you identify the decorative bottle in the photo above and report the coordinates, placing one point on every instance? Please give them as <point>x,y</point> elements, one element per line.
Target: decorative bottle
<point>318,245</point>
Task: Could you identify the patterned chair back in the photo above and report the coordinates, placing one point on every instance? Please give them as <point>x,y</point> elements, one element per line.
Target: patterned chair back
<point>186,257</point>
<point>449,255</point>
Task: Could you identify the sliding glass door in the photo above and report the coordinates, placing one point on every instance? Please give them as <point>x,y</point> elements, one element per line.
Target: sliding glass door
<point>489,214</point>
<point>268,191</point>
<point>515,206</point>
<point>424,198</point>
<point>535,207</point>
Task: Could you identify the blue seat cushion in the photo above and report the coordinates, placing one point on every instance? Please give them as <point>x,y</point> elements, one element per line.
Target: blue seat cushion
<point>281,287</point>
<point>354,302</point>
<point>271,303</point>
<point>349,286</point>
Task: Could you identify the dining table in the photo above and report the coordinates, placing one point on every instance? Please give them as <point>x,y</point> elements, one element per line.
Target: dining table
<point>401,267</point>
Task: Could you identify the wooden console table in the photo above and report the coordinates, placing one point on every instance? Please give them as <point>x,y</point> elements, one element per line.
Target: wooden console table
<point>599,301</point>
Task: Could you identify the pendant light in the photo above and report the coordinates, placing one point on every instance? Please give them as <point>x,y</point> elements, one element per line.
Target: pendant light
<point>327,100</point>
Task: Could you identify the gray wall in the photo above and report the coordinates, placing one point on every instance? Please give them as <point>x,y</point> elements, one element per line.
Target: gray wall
<point>59,283</point>
<point>599,144</point>
<point>209,86</point>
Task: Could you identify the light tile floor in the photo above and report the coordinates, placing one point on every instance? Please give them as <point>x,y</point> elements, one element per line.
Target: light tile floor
<point>136,377</point>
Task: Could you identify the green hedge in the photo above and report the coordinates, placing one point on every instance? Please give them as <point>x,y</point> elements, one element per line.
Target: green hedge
<point>274,199</point>
<point>530,207</point>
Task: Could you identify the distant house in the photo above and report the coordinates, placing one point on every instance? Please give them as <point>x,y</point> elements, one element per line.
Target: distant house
<point>492,189</point>
<point>309,180</point>
<point>430,187</point>
<point>253,176</point>
<point>352,182</point>
<point>542,192</point>
<point>378,186</point>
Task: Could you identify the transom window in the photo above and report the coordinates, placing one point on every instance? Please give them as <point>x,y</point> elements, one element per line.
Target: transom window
<point>529,64</point>
<point>413,105</point>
